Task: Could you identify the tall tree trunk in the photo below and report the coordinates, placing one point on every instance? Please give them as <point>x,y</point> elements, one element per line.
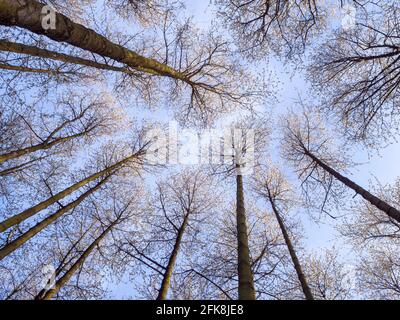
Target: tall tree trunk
<point>10,67</point>
<point>380,204</point>
<point>6,224</point>
<point>246,281</point>
<point>162,293</point>
<point>47,54</point>
<point>71,271</point>
<point>20,167</point>
<point>64,262</point>
<point>27,14</point>
<point>41,146</point>
<point>15,244</point>
<point>297,266</point>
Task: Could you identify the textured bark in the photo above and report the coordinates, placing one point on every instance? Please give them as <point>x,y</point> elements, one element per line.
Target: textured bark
<point>162,293</point>
<point>19,167</point>
<point>71,271</point>
<point>47,54</point>
<point>15,244</point>
<point>297,266</point>
<point>380,204</point>
<point>44,204</point>
<point>246,281</point>
<point>41,146</point>
<point>27,14</point>
<point>27,69</point>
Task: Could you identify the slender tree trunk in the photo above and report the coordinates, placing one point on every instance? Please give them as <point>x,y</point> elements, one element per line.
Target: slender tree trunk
<point>41,146</point>
<point>6,224</point>
<point>47,54</point>
<point>380,204</point>
<point>71,271</point>
<point>297,266</point>
<point>19,167</point>
<point>11,170</point>
<point>27,14</point>
<point>15,244</point>
<point>162,293</point>
<point>10,67</point>
<point>63,263</point>
<point>246,281</point>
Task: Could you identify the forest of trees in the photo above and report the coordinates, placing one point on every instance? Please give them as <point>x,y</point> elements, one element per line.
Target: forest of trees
<point>86,212</point>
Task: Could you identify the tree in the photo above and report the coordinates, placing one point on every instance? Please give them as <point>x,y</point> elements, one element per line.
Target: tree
<point>356,71</point>
<point>310,148</point>
<point>135,160</point>
<point>329,278</point>
<point>246,285</point>
<point>76,118</point>
<point>177,209</point>
<point>34,51</point>
<point>242,141</point>
<point>366,225</point>
<point>379,273</point>
<point>15,244</point>
<point>375,239</point>
<point>203,63</point>
<point>43,259</point>
<point>286,27</point>
<point>73,8</point>
<point>122,213</point>
<point>213,273</point>
<point>146,12</point>
<point>28,15</point>
<point>70,247</point>
<point>275,189</point>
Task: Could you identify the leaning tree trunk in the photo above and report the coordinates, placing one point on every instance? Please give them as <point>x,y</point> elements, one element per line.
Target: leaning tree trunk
<point>162,293</point>
<point>19,167</point>
<point>78,263</point>
<point>63,263</point>
<point>41,146</point>
<point>246,282</point>
<point>47,54</point>
<point>44,204</point>
<point>15,244</point>
<point>380,204</point>
<point>29,70</point>
<point>297,266</point>
<point>27,14</point>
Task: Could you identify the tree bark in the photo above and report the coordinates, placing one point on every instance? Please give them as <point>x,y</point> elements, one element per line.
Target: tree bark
<point>162,293</point>
<point>47,54</point>
<point>78,263</point>
<point>27,14</point>
<point>27,69</point>
<point>19,167</point>
<point>297,266</point>
<point>15,244</point>
<point>246,281</point>
<point>8,223</point>
<point>380,204</point>
<point>41,146</point>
